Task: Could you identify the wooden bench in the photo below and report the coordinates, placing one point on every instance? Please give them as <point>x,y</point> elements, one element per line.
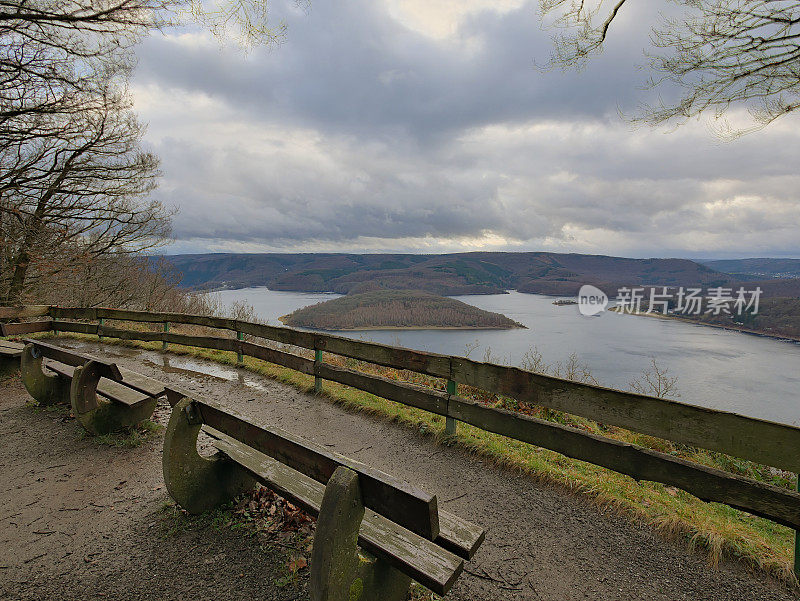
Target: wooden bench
<point>10,353</point>
<point>402,533</point>
<point>104,397</point>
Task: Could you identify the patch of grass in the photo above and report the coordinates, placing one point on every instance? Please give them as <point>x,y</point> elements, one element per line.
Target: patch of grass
<point>64,410</point>
<point>175,521</point>
<point>420,593</point>
<point>130,437</point>
<point>718,530</point>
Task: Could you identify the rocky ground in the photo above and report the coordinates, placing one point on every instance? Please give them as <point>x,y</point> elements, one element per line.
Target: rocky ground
<point>84,520</point>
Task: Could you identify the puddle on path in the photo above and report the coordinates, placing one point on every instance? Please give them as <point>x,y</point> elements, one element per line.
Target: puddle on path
<point>175,364</point>
<point>202,369</point>
<point>111,351</point>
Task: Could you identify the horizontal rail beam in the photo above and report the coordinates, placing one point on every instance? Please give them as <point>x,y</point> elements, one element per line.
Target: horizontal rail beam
<point>758,440</point>
<point>24,311</point>
<point>264,353</point>
<point>74,326</point>
<point>407,394</point>
<point>30,327</point>
<point>771,502</point>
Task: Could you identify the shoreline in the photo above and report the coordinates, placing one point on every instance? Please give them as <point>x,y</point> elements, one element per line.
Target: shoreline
<point>381,328</point>
<point>719,326</point>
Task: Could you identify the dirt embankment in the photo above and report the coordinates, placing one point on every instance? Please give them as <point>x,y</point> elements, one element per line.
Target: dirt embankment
<point>83,520</point>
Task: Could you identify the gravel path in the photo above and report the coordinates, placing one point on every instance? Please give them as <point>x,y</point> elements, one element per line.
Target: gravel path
<point>84,516</point>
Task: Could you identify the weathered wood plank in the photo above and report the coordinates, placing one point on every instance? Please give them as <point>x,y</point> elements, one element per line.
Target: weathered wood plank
<point>210,342</point>
<point>122,334</point>
<point>459,536</point>
<point>73,313</point>
<point>74,326</point>
<point>408,394</point>
<point>113,391</point>
<point>774,503</point>
<point>11,350</point>
<point>15,329</point>
<point>399,501</point>
<point>142,383</point>
<point>20,311</point>
<point>289,360</point>
<point>283,335</point>
<point>746,437</point>
<point>390,356</point>
<point>70,357</point>
<point>153,317</point>
<point>417,557</point>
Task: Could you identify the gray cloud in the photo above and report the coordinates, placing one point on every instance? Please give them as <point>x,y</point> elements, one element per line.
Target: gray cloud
<point>361,133</point>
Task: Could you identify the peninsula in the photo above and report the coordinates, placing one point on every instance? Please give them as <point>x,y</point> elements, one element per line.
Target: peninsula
<point>396,309</point>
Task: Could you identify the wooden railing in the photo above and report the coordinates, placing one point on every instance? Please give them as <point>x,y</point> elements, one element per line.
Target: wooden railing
<point>769,443</point>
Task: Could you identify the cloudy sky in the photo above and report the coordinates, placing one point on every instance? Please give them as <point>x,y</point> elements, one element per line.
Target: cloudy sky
<point>425,126</point>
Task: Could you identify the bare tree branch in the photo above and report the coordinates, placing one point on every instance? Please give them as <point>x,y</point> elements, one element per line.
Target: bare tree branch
<point>721,54</point>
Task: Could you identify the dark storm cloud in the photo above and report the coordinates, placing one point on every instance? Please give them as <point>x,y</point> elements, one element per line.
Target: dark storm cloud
<point>361,132</point>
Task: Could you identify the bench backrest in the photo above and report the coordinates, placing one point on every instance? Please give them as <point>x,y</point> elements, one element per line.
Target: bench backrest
<point>399,501</point>
<point>30,327</point>
<point>69,357</point>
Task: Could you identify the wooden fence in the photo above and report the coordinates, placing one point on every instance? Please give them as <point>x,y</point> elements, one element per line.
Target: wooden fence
<point>769,443</point>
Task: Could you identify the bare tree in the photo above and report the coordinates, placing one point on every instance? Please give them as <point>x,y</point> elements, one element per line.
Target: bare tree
<point>74,182</point>
<point>83,193</point>
<point>720,53</point>
<point>655,381</point>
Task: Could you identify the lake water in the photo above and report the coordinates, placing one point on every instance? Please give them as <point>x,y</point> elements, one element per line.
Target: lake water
<point>737,372</point>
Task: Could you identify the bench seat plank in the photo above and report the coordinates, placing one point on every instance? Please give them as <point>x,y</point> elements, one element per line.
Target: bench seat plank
<point>423,560</point>
<point>113,391</point>
<point>459,536</point>
<point>11,349</point>
<point>142,383</point>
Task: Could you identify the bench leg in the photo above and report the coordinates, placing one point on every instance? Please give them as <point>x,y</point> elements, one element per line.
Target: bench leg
<point>99,416</point>
<point>338,573</point>
<point>197,483</point>
<point>46,389</point>
<point>8,367</point>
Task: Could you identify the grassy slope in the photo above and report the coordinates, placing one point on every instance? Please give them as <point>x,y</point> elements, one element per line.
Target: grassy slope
<point>717,529</point>
<point>395,309</point>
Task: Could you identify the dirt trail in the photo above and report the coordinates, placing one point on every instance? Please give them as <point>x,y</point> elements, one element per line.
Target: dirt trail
<point>83,516</point>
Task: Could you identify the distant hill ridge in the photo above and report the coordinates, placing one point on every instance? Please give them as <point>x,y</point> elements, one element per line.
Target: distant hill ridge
<point>758,268</point>
<point>452,274</point>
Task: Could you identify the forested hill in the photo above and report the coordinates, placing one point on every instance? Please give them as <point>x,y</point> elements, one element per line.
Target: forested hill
<point>385,309</point>
<point>450,274</point>
<point>757,268</point>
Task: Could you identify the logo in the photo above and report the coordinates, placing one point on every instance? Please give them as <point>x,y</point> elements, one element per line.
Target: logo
<point>591,300</point>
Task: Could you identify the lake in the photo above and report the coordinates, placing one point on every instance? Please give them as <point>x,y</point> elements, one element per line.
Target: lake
<point>738,372</point>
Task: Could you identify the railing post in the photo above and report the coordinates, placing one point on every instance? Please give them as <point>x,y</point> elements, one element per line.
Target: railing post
<point>449,422</point>
<point>317,361</point>
<point>100,323</point>
<point>797,542</point>
<point>239,356</point>
<point>164,343</point>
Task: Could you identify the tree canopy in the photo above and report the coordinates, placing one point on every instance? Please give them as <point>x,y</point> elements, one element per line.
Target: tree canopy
<point>720,54</point>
